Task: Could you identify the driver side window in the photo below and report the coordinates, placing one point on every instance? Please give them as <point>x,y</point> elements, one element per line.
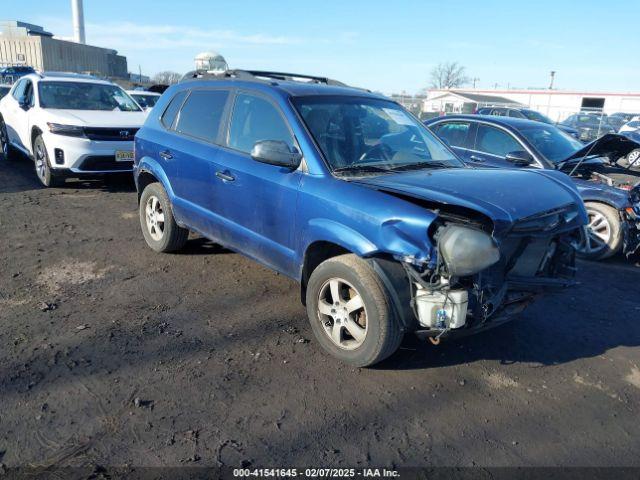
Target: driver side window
<point>19,89</point>
<point>495,141</point>
<point>255,119</point>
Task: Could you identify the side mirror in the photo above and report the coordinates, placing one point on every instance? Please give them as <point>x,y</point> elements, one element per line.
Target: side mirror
<point>276,152</point>
<point>24,104</point>
<point>519,158</point>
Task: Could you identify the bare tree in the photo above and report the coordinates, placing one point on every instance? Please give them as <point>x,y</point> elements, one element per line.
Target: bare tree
<point>167,77</point>
<point>448,75</point>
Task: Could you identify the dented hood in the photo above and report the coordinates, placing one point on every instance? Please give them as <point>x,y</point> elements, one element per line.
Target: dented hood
<point>611,145</point>
<point>504,195</point>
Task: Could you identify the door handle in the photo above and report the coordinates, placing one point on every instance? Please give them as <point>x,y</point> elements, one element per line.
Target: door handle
<point>225,176</point>
<point>166,155</point>
<point>476,158</point>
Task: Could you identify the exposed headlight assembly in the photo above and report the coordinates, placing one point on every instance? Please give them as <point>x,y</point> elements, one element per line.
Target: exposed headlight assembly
<point>69,130</point>
<point>466,250</point>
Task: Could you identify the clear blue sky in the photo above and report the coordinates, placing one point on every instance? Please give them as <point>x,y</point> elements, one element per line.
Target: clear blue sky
<point>378,44</point>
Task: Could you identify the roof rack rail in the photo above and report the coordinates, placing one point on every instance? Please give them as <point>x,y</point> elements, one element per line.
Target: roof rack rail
<point>259,74</point>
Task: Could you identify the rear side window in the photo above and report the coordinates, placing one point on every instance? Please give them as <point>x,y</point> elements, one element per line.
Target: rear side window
<point>255,119</point>
<point>496,142</point>
<point>201,114</point>
<point>454,133</point>
<point>516,114</point>
<point>169,115</point>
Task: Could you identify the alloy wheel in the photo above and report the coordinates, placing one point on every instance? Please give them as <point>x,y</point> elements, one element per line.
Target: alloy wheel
<point>596,235</point>
<point>342,313</point>
<point>154,215</point>
<point>634,157</point>
<point>41,162</point>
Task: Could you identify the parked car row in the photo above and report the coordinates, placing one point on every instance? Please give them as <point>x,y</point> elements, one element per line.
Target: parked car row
<point>379,219</point>
<point>528,114</point>
<point>584,126</point>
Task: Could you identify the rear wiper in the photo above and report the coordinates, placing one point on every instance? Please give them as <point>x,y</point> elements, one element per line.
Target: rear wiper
<point>419,165</point>
<point>361,169</point>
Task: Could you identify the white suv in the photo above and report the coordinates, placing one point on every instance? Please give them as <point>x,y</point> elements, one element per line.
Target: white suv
<point>70,125</point>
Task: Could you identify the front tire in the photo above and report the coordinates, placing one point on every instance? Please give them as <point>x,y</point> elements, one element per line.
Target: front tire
<point>350,311</point>
<point>159,228</point>
<point>43,166</point>
<point>602,237</point>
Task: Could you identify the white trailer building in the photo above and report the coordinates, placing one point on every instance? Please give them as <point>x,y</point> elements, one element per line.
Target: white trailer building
<point>556,104</point>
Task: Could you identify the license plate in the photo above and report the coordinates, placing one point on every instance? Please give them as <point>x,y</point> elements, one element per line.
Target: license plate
<point>124,156</point>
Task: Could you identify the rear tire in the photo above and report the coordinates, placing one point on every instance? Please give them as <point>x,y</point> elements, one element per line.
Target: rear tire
<point>359,326</point>
<point>602,238</point>
<point>159,227</point>
<point>42,165</point>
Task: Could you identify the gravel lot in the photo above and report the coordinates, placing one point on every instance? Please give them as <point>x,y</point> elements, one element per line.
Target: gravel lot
<point>115,355</point>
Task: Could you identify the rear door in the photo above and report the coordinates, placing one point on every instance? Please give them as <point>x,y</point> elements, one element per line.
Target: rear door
<point>257,200</point>
<point>491,146</point>
<point>190,153</point>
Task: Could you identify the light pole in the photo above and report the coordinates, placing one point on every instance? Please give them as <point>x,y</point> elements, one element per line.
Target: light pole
<point>553,76</point>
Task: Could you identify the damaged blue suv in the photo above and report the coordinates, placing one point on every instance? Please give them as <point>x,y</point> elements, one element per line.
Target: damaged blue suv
<point>385,229</point>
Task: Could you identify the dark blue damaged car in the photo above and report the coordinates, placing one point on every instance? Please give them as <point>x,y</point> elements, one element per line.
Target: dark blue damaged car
<point>385,229</point>
<point>605,183</point>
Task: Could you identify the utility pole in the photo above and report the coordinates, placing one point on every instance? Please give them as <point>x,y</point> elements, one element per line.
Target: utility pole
<point>553,76</point>
<point>475,79</point>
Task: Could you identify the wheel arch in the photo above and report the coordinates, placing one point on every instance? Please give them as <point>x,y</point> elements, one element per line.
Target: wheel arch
<point>604,202</point>
<point>145,178</point>
<point>35,132</point>
<point>383,264</point>
<point>149,169</point>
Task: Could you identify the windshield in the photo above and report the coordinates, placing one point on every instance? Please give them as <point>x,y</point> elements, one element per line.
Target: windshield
<point>145,100</point>
<point>552,143</point>
<point>85,96</point>
<point>359,134</point>
<point>536,116</point>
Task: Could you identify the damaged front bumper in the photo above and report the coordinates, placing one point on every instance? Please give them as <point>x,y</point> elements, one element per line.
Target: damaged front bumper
<point>527,268</point>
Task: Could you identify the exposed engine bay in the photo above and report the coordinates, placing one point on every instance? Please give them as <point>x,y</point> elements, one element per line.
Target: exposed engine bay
<point>479,281</point>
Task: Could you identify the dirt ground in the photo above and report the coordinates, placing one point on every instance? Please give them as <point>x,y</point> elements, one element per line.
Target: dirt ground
<point>112,354</point>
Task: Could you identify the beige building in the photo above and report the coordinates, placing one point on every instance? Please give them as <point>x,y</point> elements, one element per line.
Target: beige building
<point>25,44</point>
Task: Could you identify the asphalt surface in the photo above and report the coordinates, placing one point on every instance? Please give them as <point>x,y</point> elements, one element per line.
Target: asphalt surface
<point>112,354</point>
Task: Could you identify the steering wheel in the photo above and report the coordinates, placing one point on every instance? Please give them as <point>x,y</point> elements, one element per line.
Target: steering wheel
<point>384,151</point>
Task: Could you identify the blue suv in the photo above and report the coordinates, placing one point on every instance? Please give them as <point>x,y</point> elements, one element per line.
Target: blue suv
<point>385,229</point>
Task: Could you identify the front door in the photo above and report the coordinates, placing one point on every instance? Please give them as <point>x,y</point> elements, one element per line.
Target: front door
<point>258,200</point>
<point>492,145</point>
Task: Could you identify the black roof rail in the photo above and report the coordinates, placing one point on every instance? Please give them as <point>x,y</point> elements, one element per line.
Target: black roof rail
<point>259,75</point>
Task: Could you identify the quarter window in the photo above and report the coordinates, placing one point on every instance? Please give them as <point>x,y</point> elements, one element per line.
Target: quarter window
<point>201,114</point>
<point>496,142</point>
<point>255,119</point>
<point>169,115</point>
